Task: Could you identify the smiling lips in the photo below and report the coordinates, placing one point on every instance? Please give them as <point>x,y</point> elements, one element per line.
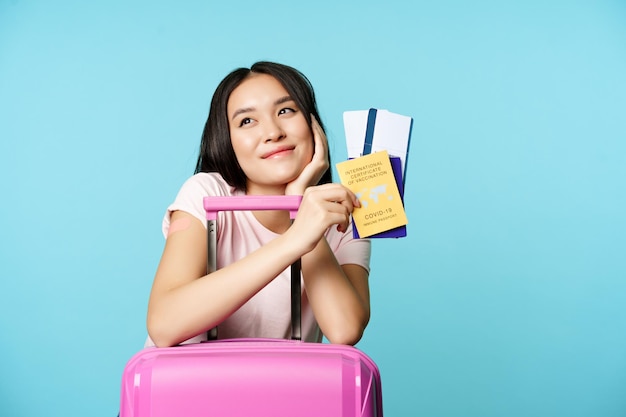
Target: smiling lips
<point>277,151</point>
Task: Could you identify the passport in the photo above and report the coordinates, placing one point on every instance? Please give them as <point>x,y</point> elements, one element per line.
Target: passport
<point>372,179</point>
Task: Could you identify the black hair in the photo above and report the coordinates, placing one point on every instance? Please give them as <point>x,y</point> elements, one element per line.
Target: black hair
<point>216,150</point>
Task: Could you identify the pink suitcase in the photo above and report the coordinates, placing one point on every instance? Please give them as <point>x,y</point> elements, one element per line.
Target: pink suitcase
<point>252,377</point>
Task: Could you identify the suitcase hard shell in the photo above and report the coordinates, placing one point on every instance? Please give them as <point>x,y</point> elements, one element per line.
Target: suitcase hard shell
<point>252,377</point>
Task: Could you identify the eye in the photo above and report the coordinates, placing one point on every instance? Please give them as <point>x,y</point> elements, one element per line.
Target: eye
<point>286,110</point>
<point>245,121</point>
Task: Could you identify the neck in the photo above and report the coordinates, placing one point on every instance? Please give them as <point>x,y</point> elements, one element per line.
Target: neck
<point>277,221</point>
<point>254,189</point>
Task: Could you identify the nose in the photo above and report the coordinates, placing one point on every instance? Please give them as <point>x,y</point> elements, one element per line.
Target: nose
<point>273,130</point>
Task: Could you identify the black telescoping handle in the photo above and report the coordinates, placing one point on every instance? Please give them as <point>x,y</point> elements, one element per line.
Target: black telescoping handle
<point>215,204</point>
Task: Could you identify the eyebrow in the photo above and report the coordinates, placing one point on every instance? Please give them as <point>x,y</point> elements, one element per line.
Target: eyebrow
<point>249,109</point>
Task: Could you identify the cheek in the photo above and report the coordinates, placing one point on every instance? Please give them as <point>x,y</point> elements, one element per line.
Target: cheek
<point>241,147</point>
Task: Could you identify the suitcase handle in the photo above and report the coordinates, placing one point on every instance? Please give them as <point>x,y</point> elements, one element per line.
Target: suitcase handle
<point>291,203</point>
<point>214,204</point>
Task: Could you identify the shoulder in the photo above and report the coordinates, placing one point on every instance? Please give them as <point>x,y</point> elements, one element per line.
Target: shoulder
<point>190,196</point>
<point>348,249</point>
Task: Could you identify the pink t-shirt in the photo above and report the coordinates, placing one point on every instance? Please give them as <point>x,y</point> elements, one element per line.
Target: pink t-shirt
<point>266,314</point>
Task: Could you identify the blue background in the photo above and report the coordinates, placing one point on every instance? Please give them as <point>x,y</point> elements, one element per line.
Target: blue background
<point>508,298</point>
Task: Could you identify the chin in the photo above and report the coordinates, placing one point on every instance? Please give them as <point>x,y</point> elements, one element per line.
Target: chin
<point>283,177</point>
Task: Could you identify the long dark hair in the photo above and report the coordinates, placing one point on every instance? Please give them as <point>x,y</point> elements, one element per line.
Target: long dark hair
<point>216,150</point>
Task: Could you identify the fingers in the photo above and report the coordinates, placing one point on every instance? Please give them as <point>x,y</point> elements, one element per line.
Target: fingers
<point>336,201</point>
<point>335,193</point>
<point>314,171</point>
<point>319,138</point>
<point>323,206</point>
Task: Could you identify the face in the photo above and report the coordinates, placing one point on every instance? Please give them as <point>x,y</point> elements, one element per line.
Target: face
<point>269,133</point>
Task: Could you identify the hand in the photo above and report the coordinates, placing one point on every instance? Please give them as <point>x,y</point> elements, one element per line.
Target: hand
<point>322,207</point>
<point>313,172</point>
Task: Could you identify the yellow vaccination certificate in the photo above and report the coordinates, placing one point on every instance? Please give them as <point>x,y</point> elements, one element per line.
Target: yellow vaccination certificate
<point>371,178</point>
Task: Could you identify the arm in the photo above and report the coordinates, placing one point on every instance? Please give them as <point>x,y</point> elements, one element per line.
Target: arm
<point>339,295</point>
<point>185,301</point>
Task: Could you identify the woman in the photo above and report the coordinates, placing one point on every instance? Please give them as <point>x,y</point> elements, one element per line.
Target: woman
<point>262,137</point>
